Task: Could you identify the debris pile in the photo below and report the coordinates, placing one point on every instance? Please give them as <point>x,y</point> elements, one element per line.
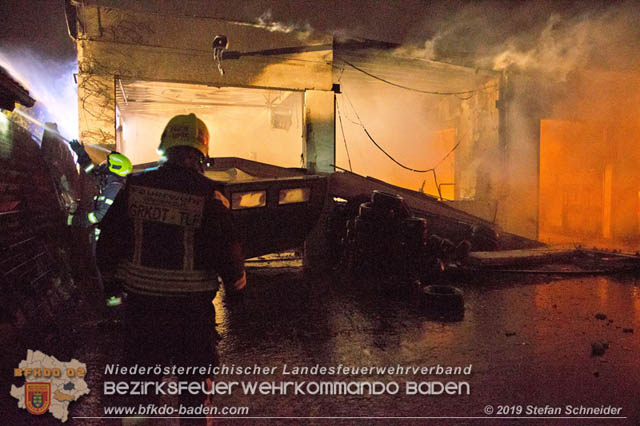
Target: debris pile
<point>385,239</point>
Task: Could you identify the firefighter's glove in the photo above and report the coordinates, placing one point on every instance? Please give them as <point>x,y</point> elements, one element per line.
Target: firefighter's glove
<point>77,147</point>
<point>83,158</point>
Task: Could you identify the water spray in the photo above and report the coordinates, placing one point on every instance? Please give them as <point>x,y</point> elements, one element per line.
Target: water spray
<point>54,130</point>
<point>40,123</point>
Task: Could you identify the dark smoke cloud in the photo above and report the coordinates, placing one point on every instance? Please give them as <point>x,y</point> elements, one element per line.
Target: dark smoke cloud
<point>539,36</point>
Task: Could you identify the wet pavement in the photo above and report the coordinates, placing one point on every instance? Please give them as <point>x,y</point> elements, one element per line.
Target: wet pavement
<point>528,340</point>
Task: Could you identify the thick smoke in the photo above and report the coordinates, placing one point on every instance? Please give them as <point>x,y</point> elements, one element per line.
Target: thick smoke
<point>573,81</point>
<point>571,92</point>
<point>571,69</point>
<point>50,83</point>
<point>553,38</point>
<point>592,41</point>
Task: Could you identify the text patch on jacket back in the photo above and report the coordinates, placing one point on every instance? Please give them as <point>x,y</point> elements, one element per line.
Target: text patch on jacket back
<point>164,206</point>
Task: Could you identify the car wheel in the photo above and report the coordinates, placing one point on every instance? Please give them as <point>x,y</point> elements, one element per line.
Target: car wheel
<point>444,298</point>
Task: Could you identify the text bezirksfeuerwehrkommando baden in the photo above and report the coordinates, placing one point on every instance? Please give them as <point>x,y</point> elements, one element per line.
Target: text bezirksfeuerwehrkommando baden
<point>322,387</point>
<point>286,369</point>
<point>363,385</point>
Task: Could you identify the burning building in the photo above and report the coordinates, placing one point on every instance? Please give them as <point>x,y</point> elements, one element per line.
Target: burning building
<point>504,144</point>
<point>136,70</point>
<point>541,146</point>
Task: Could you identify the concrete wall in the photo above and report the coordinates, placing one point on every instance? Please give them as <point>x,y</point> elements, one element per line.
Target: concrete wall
<point>156,47</point>
<point>319,118</point>
<point>477,159</point>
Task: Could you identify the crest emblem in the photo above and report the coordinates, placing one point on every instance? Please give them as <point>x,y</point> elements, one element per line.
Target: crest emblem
<point>37,397</point>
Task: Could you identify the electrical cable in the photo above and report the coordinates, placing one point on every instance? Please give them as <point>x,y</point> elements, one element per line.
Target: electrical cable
<point>432,170</point>
<point>344,138</point>
<point>428,92</point>
<point>389,155</point>
<point>448,153</point>
<point>378,146</point>
<point>342,68</point>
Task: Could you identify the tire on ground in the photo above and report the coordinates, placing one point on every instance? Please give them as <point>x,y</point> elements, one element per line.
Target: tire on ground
<point>443,298</point>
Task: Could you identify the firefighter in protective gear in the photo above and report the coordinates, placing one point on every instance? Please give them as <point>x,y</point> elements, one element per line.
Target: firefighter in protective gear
<point>109,177</point>
<point>105,181</point>
<point>118,167</point>
<point>170,235</point>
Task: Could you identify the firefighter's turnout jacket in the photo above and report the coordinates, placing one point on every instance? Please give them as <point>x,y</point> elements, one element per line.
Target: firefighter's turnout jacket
<point>108,187</point>
<point>170,233</point>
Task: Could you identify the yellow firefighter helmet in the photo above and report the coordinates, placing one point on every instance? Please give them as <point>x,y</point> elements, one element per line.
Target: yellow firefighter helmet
<point>119,164</point>
<point>185,130</point>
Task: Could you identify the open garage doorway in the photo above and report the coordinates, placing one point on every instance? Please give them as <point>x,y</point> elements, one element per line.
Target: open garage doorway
<point>255,124</point>
<point>589,189</point>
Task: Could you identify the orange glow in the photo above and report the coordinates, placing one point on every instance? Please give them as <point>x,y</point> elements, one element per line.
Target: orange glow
<point>419,130</point>
<point>570,200</point>
<point>435,147</point>
<point>589,184</point>
<point>606,211</point>
<point>443,143</point>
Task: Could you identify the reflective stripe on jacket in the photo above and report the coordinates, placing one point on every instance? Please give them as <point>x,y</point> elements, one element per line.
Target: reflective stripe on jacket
<point>108,193</point>
<point>162,282</point>
<point>172,233</point>
<point>108,188</point>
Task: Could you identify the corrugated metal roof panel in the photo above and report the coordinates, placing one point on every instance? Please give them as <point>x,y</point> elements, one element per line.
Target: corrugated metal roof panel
<point>11,92</point>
